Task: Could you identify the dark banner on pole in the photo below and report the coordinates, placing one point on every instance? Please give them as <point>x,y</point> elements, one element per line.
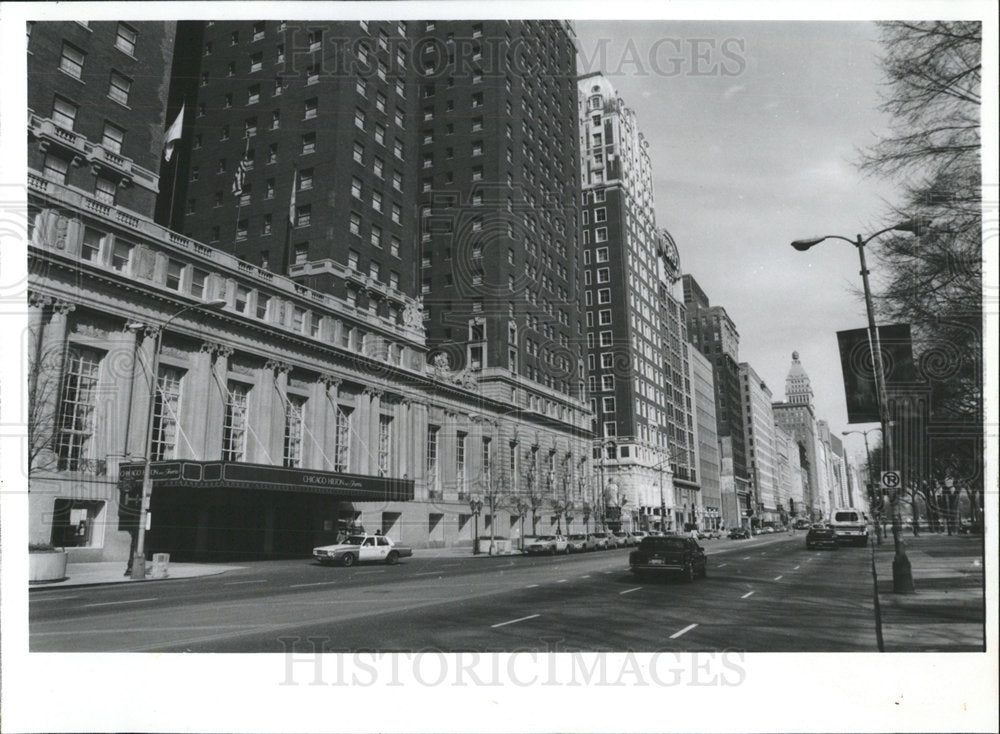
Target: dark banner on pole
<point>859,373</point>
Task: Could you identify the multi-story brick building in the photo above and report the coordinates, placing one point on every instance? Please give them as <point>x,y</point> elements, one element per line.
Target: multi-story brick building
<point>637,363</point>
<point>707,439</point>
<point>714,334</point>
<point>97,97</point>
<point>283,406</point>
<point>758,422</point>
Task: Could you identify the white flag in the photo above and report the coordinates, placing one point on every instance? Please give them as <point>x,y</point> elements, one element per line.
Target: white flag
<point>291,206</point>
<point>173,135</point>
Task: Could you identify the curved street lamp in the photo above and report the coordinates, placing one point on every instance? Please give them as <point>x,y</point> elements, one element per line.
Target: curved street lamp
<point>871,484</point>
<point>137,563</point>
<point>902,574</point>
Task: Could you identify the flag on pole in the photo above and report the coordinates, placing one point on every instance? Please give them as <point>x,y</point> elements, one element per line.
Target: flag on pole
<point>241,174</point>
<point>173,134</point>
<point>291,205</point>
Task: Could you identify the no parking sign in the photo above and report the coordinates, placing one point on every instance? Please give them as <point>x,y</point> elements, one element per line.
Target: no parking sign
<point>890,480</point>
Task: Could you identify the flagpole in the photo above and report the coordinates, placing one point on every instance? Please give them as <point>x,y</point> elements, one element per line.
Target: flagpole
<point>173,193</point>
<point>239,196</point>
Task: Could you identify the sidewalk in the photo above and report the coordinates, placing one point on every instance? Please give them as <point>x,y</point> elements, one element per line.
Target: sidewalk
<point>947,611</point>
<point>113,572</point>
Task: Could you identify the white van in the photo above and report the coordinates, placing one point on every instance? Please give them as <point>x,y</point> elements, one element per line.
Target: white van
<point>850,526</point>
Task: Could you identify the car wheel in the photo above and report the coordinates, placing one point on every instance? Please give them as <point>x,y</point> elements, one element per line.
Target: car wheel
<point>392,559</point>
<point>347,560</point>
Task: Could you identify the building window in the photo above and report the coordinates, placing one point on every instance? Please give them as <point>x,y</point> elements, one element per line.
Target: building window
<point>125,39</point>
<point>166,412</point>
<point>71,60</point>
<point>55,168</point>
<point>356,187</point>
<point>256,62</point>
<point>303,215</point>
<point>359,119</point>
<point>377,201</point>
<point>311,107</point>
<point>112,138</point>
<point>342,440</point>
<point>460,461</point>
<point>119,88</point>
<point>90,248</point>
<point>174,270</point>
<point>295,408</point>
<point>607,382</point>
<point>608,405</point>
<point>305,179</point>
<point>604,295</point>
<point>308,143</point>
<point>355,224</point>
<point>64,113</point>
<point>376,237</point>
<point>379,134</point>
<point>253,94</point>
<point>601,235</point>
<point>258,32</point>
<point>105,190</point>
<point>78,408</point>
<point>234,428</point>
<point>432,475</point>
<point>384,445</point>
<point>602,254</point>
<point>394,246</point>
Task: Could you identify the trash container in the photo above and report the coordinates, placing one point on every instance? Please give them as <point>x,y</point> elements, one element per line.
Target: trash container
<point>161,562</point>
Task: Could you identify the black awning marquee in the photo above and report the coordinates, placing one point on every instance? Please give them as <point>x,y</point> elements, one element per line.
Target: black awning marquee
<point>225,475</point>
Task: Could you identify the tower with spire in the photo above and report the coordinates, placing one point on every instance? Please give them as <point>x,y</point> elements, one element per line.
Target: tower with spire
<point>798,389</point>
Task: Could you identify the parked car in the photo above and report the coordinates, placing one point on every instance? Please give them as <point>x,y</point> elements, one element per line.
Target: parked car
<point>362,547</point>
<point>971,527</point>
<point>580,543</point>
<point>801,524</point>
<point>739,534</point>
<point>622,539</point>
<point>821,536</point>
<point>850,526</point>
<point>709,533</point>
<point>669,554</point>
<point>767,529</point>
<point>547,544</point>
<point>638,535</point>
<point>602,541</point>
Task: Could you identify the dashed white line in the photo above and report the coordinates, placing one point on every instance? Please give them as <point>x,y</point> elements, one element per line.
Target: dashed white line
<point>513,621</point>
<point>127,601</point>
<point>52,598</point>
<point>797,568</point>
<point>431,573</point>
<point>585,576</point>
<point>722,564</point>
<point>778,578</point>
<point>678,633</point>
<point>251,581</point>
<point>531,586</point>
<point>561,581</point>
<point>317,583</point>
<point>746,558</point>
<point>629,591</point>
<point>748,594</point>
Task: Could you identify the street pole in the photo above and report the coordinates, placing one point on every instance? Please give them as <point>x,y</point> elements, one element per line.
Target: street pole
<point>138,565</point>
<point>902,573</point>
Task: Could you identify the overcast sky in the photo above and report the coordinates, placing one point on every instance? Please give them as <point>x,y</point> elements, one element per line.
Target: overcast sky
<point>754,131</point>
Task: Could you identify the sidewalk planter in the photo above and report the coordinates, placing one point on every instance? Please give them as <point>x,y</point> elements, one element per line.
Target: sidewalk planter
<point>46,564</point>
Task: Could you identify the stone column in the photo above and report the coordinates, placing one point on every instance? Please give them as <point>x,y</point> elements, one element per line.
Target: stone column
<point>217,398</point>
<point>374,417</point>
<point>199,387</point>
<point>329,387</point>
<point>139,437</point>
<point>271,390</point>
<point>127,376</point>
<point>45,378</point>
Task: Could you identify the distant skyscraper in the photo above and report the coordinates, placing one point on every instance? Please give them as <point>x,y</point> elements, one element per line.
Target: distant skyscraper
<point>797,416</point>
<point>714,334</point>
<point>758,422</point>
<point>637,363</point>
<point>707,437</point>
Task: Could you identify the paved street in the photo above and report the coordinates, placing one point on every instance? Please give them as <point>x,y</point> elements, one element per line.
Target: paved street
<point>763,595</point>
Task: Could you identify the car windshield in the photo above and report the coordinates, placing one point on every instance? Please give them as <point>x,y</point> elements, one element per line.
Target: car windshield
<point>545,537</point>
<point>846,517</point>
<point>661,543</point>
<point>578,537</point>
<point>354,539</point>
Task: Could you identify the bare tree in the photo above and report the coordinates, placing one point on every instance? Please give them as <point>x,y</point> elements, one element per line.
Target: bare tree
<point>44,386</point>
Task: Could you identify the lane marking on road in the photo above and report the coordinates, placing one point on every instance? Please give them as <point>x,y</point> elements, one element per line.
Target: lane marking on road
<point>561,581</point>
<point>585,576</point>
<point>531,586</point>
<point>748,594</point>
<point>127,601</point>
<point>778,578</point>
<point>52,598</point>
<point>251,581</point>
<point>629,591</point>
<point>431,573</point>
<point>514,621</point>
<point>797,568</point>
<point>746,558</point>
<point>808,560</point>
<point>317,583</point>
<point>722,564</point>
<point>678,633</point>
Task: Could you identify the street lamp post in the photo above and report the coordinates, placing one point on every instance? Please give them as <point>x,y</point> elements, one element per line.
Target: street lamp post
<point>902,573</point>
<point>138,560</point>
<point>476,506</point>
<point>663,501</point>
<point>876,511</point>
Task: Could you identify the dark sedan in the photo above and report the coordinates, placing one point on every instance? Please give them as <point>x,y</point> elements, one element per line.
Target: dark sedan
<point>739,534</point>
<point>821,536</point>
<point>668,554</point>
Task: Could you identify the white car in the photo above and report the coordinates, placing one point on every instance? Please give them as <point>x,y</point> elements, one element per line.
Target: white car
<point>362,547</point>
<point>548,544</point>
